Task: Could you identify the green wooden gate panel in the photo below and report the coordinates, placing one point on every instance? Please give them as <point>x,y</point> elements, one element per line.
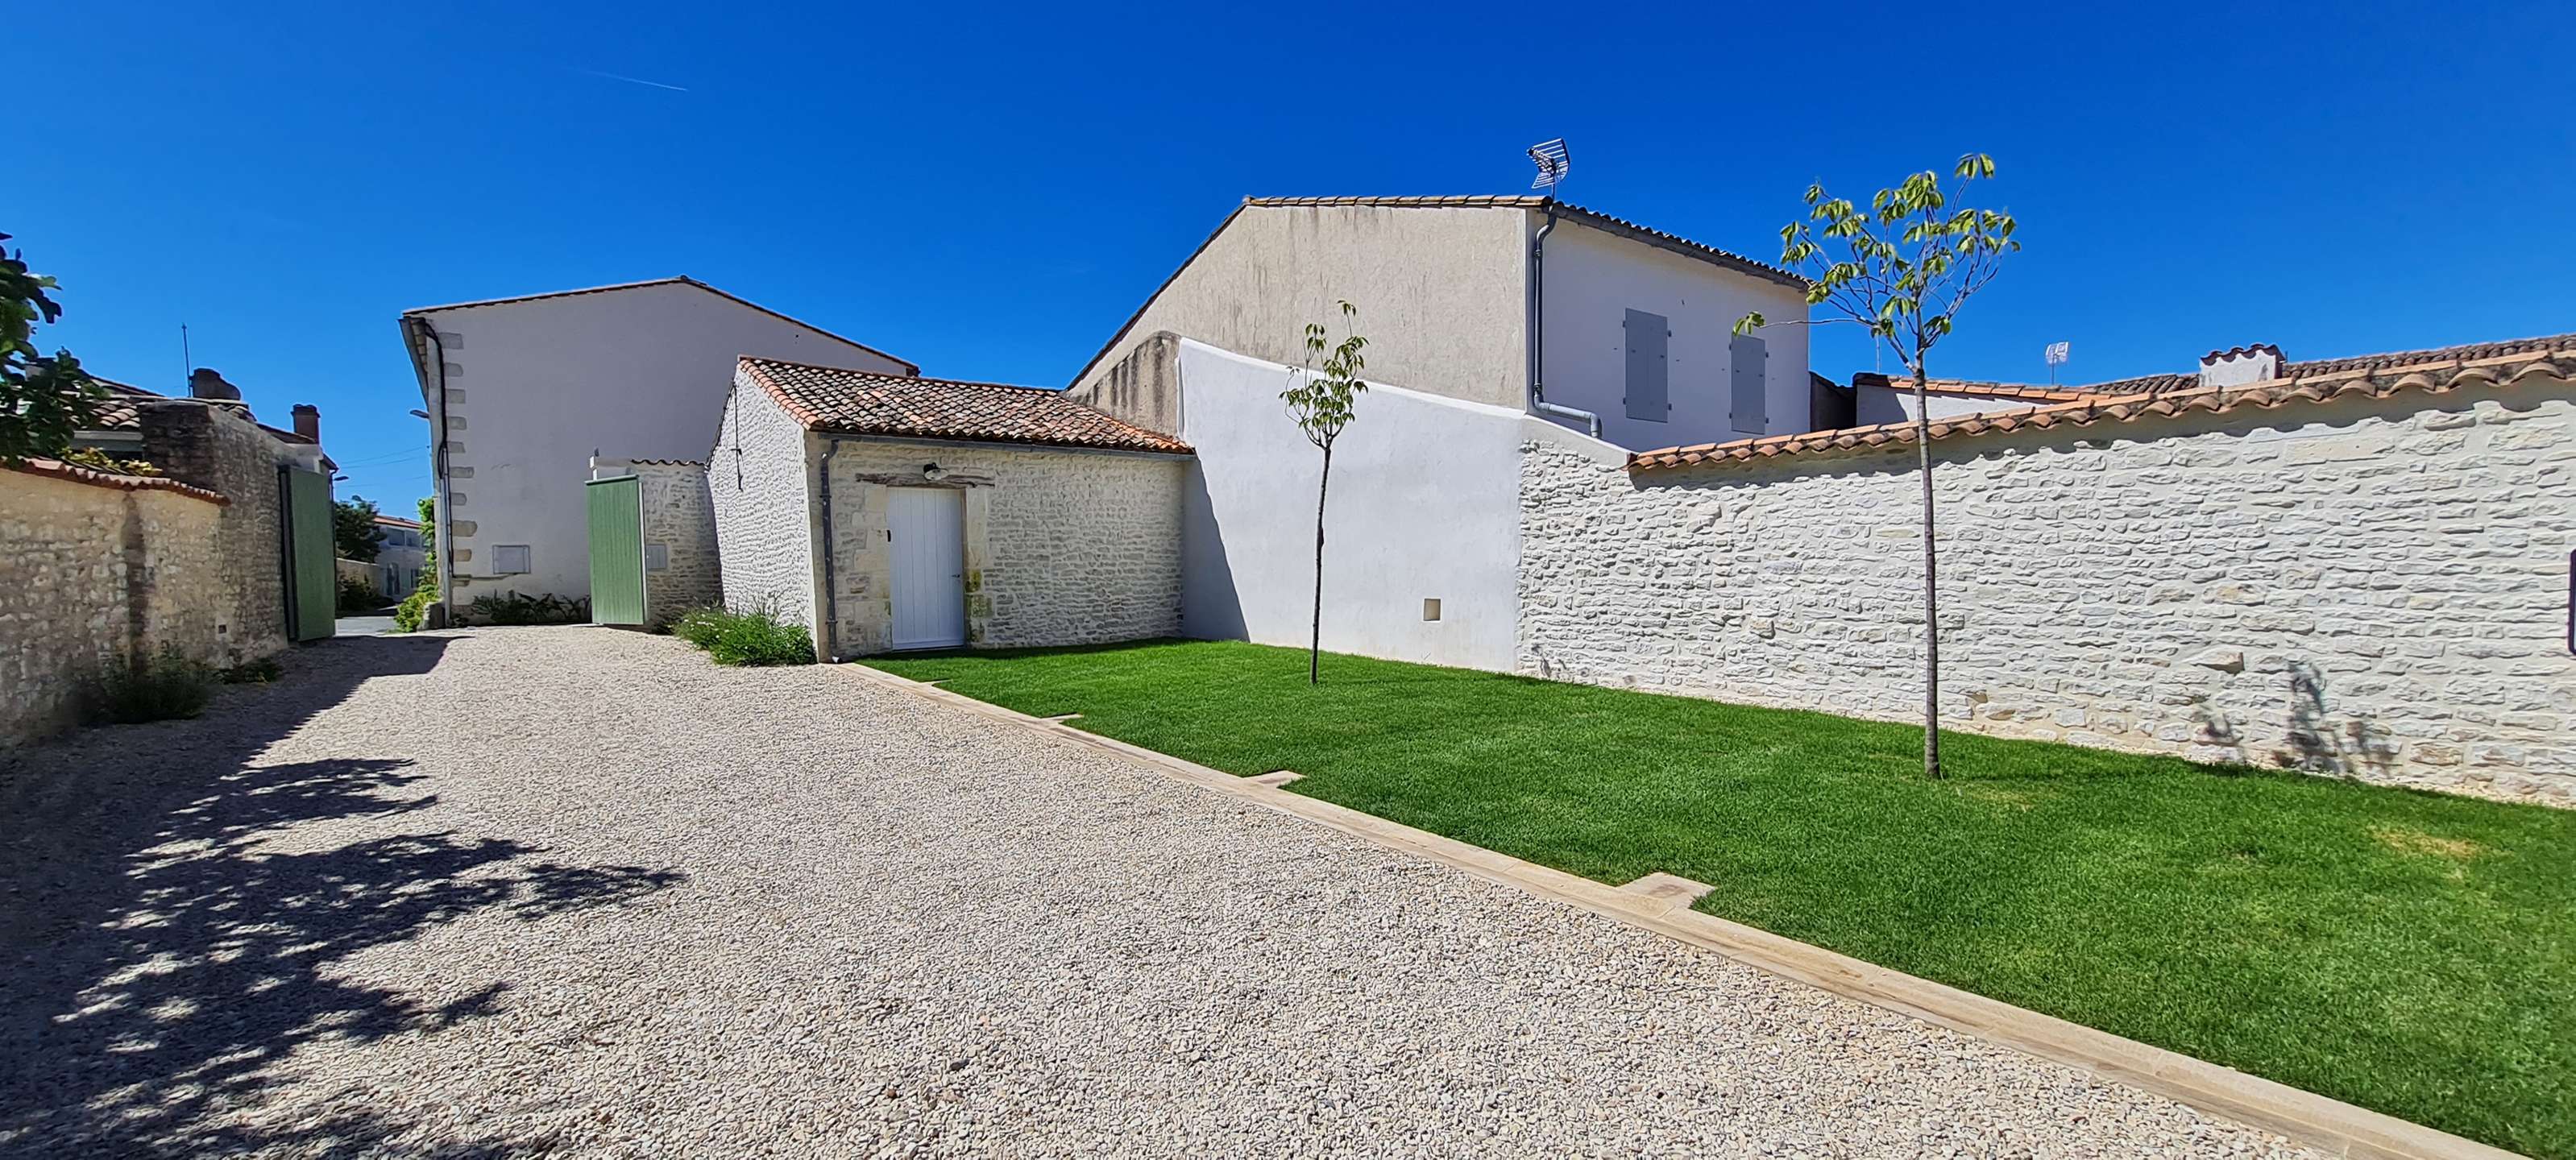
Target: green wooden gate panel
<point>617,550</point>
<point>311,559</point>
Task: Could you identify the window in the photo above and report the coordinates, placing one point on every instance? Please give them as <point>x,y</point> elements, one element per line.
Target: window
<point>1748,367</point>
<point>510,559</point>
<point>657,556</point>
<point>1648,396</point>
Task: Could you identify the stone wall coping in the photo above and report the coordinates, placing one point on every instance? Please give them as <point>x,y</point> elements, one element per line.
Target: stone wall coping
<point>74,473</point>
<point>2550,363</point>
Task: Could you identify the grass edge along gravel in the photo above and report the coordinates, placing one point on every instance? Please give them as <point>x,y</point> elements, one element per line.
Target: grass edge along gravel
<point>2402,950</point>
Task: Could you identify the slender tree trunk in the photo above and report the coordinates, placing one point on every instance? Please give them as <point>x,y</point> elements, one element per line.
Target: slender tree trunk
<point>1931,585</point>
<point>1315,642</point>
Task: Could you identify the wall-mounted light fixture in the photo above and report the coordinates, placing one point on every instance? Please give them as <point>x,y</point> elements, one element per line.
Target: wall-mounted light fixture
<point>933,472</point>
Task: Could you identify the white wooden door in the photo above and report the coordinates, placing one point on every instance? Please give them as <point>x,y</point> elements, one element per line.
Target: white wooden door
<point>927,527</point>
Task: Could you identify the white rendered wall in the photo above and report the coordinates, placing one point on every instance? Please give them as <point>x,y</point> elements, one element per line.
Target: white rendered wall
<point>1425,502</point>
<point>1592,279</point>
<point>536,387</point>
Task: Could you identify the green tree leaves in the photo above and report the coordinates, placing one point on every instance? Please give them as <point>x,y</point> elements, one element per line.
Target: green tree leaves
<point>1320,398</point>
<point>1904,267</point>
<point>44,400</point>
<point>353,528</point>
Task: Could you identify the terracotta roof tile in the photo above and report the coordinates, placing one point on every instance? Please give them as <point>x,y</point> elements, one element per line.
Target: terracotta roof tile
<point>2025,392</point>
<point>865,403</point>
<point>119,412</point>
<point>58,469</point>
<point>2550,359</point>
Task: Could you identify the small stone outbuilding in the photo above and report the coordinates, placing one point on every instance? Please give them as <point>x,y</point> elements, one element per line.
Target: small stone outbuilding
<point>891,512</point>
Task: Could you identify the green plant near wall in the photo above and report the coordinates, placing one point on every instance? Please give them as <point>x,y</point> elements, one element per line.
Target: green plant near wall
<point>414,609</point>
<point>519,608</point>
<point>158,688</point>
<point>756,637</point>
<point>358,595</point>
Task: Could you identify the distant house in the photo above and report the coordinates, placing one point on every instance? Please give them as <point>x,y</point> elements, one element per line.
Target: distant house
<point>398,556</point>
<point>1526,303</point>
<point>894,512</point>
<point>520,392</point>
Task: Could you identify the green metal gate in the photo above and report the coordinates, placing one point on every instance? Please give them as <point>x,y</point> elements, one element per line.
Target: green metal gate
<point>616,550</point>
<point>308,556</point>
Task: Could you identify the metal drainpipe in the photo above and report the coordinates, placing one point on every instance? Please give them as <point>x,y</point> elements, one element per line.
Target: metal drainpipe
<point>445,527</point>
<point>1538,332</point>
<point>829,602</point>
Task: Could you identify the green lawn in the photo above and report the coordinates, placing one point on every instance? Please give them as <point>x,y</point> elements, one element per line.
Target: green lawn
<point>2409,952</point>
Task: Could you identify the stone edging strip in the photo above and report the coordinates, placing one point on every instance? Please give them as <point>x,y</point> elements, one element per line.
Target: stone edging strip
<point>2305,1117</point>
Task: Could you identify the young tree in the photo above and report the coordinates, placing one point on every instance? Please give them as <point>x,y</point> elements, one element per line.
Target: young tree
<point>1903,269</point>
<point>44,399</point>
<point>354,530</point>
<point>1319,398</point>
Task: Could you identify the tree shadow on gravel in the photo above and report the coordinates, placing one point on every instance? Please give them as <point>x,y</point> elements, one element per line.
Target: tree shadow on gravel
<point>165,939</point>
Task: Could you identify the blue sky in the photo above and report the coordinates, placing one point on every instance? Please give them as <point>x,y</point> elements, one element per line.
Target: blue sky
<point>991,192</point>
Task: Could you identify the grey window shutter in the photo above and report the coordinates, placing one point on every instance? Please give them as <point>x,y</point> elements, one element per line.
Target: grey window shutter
<point>1649,394</point>
<point>1748,366</point>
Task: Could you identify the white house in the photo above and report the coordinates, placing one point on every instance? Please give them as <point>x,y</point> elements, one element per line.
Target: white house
<point>1524,303</point>
<point>398,555</point>
<point>520,392</point>
<point>897,512</point>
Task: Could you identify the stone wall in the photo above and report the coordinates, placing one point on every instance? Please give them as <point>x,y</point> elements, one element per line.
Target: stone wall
<point>95,571</point>
<point>679,518</point>
<point>2374,588</point>
<point>1062,547</point>
<point>757,489</point>
<point>220,449</point>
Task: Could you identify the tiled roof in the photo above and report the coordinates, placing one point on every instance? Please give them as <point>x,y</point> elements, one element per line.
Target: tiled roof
<point>398,522</point>
<point>866,403</point>
<point>2550,359</point>
<point>675,280</point>
<point>119,412</point>
<point>123,412</point>
<point>58,469</point>
<point>2021,391</point>
<point>1616,225</point>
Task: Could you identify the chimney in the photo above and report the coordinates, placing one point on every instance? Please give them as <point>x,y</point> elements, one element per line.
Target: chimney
<point>2237,366</point>
<point>308,421</point>
<point>208,383</point>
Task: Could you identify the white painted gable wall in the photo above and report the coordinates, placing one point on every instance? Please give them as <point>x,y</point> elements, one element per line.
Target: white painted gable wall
<point>540,385</point>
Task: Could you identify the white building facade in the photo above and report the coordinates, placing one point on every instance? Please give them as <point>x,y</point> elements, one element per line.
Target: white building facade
<point>520,392</point>
<point>1524,303</point>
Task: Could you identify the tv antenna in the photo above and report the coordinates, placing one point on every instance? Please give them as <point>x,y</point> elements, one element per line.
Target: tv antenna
<point>1553,161</point>
<point>2056,356</point>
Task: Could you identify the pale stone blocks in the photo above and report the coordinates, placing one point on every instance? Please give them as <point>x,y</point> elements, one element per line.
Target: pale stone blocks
<point>2338,589</point>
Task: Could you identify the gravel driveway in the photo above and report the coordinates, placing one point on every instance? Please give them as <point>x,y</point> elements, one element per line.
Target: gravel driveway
<point>576,891</point>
